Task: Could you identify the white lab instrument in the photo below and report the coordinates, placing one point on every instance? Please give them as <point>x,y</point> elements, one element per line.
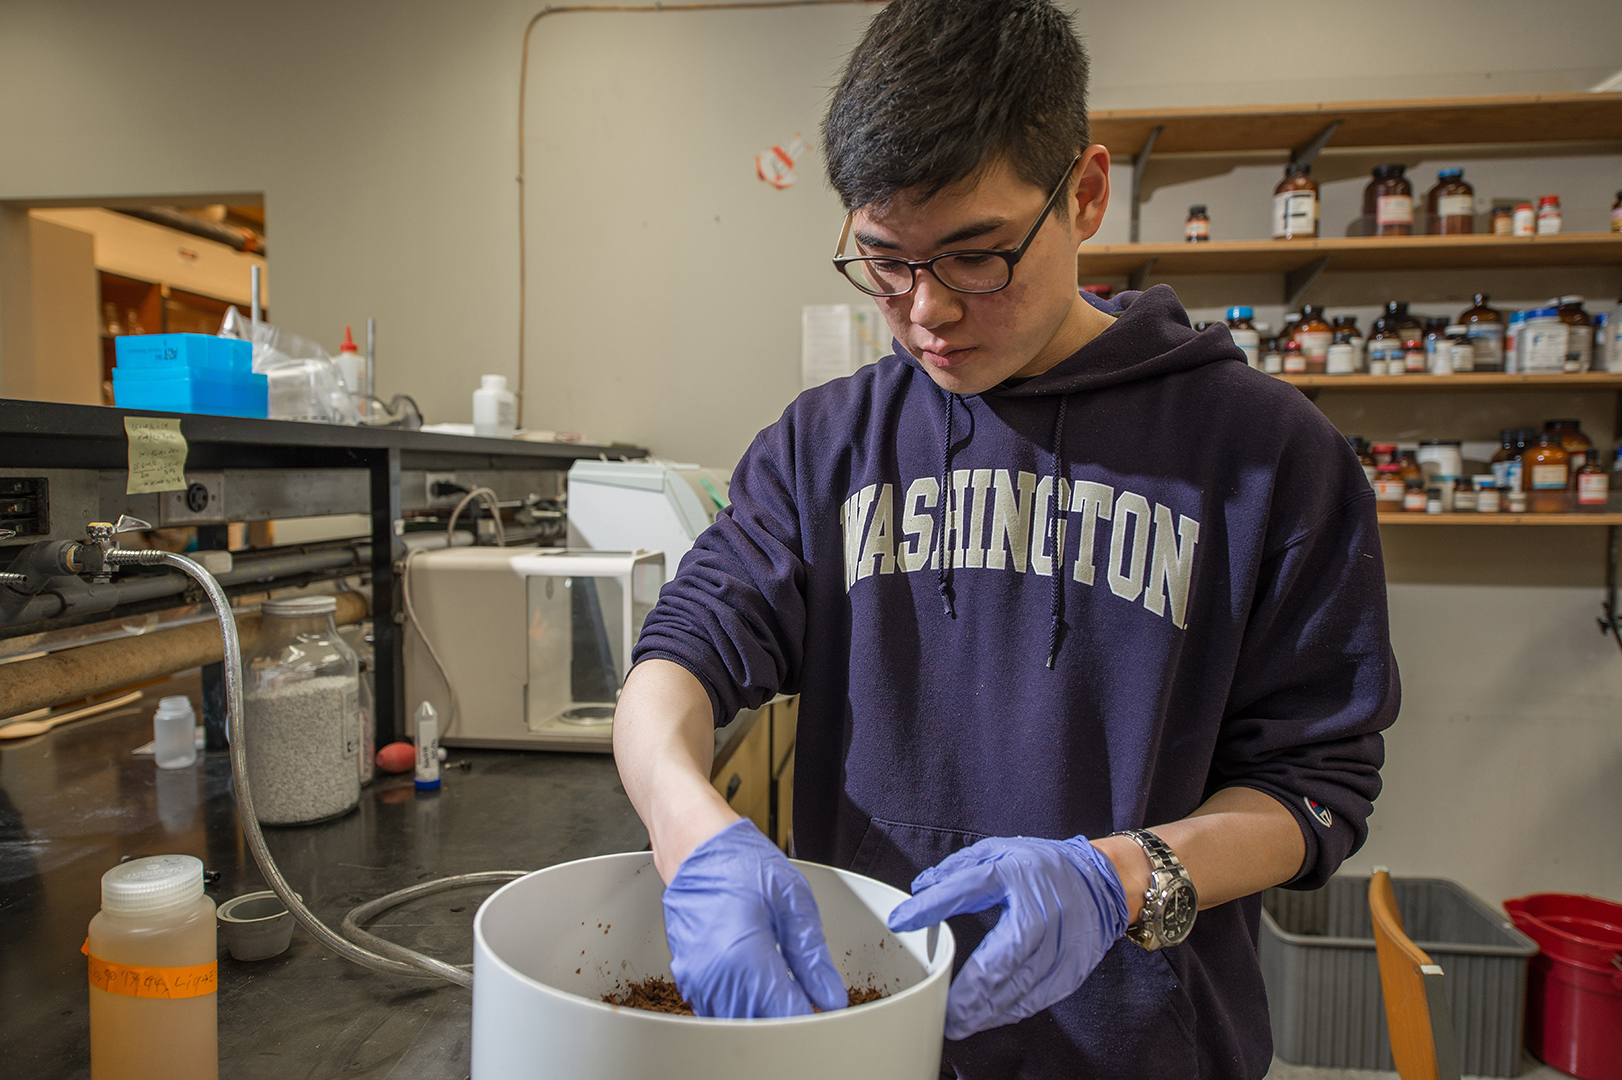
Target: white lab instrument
<point>547,946</point>
<point>534,642</point>
<point>658,505</point>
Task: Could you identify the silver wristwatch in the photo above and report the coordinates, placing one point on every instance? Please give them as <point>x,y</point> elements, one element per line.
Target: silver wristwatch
<point>1170,903</point>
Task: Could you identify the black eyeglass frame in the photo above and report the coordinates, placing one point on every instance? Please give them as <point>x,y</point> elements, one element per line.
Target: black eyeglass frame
<point>1011,257</point>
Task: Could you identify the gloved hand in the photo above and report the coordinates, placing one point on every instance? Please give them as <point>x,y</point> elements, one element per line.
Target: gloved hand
<point>1063,908</point>
<point>733,902</point>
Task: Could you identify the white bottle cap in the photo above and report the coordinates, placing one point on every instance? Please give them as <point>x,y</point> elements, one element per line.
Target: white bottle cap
<point>152,884</point>
<point>173,708</point>
<point>493,382</point>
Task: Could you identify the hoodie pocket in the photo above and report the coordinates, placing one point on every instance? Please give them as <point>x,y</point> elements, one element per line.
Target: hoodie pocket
<point>895,852</point>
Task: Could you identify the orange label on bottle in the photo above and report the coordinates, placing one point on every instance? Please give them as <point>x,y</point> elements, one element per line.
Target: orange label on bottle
<point>130,980</point>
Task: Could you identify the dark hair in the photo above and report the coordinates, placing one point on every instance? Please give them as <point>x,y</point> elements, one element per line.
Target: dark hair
<point>939,89</point>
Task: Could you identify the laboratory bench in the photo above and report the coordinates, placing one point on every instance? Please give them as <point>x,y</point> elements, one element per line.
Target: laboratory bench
<point>75,801</point>
<point>75,459</point>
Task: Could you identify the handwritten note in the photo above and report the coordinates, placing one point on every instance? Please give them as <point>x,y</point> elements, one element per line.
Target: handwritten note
<point>157,454</point>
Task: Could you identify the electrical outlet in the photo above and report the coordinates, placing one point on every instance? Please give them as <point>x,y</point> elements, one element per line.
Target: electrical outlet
<point>433,479</point>
<point>201,503</point>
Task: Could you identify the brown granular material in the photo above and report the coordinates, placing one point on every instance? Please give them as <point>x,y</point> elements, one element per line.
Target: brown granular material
<point>659,994</point>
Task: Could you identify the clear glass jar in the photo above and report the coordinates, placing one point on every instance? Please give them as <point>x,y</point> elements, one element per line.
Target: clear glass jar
<point>301,706</point>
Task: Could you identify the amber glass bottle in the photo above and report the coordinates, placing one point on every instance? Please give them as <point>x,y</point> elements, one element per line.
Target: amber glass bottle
<point>1485,327</point>
<point>1388,203</point>
<point>1546,475</point>
<point>1450,207</point>
<point>1315,336</point>
<point>1295,204</point>
<point>1578,445</point>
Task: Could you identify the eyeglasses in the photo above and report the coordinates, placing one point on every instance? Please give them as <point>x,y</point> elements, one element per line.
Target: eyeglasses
<point>975,271</point>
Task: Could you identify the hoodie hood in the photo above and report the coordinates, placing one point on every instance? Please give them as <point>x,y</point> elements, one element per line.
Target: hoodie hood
<point>1151,337</point>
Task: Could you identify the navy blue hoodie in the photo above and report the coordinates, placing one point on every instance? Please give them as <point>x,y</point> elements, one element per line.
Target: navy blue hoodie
<point>1217,619</point>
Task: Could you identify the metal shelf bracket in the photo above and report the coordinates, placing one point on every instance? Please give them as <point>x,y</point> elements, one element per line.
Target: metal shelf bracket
<point>1297,282</point>
<point>1307,153</point>
<point>1137,278</point>
<point>1140,162</point>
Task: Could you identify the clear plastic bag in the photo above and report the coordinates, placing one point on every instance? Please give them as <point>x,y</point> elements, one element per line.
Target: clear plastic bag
<point>305,383</point>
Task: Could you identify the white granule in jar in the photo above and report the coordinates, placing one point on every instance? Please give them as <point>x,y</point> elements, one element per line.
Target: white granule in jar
<point>302,740</point>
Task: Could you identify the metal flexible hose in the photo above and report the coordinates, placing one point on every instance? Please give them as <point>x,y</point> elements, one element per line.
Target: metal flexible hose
<point>399,959</point>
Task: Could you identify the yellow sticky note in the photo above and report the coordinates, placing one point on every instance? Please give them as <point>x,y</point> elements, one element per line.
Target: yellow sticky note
<point>157,454</point>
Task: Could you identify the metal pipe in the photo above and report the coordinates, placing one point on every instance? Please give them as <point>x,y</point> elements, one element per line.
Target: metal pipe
<point>253,277</point>
<point>26,685</point>
<point>78,598</point>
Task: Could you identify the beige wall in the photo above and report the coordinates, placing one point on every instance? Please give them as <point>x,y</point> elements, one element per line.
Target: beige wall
<point>666,282</point>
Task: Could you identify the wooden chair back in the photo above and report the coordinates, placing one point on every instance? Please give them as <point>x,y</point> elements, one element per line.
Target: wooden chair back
<point>1416,1008</point>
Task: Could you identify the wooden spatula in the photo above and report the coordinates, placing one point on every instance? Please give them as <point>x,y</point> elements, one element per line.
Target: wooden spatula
<point>22,729</point>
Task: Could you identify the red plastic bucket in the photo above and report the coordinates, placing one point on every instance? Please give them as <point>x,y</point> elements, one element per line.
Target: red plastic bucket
<point>1574,989</point>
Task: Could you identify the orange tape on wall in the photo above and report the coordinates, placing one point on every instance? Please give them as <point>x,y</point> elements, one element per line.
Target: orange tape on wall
<point>130,980</point>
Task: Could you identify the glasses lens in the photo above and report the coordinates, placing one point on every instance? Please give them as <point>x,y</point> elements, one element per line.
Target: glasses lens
<point>973,273</point>
<point>881,277</point>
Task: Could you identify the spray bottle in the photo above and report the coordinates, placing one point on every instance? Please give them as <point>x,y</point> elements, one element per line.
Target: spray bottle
<point>426,724</point>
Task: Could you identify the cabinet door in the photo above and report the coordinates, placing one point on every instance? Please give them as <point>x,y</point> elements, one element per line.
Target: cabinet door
<point>745,780</point>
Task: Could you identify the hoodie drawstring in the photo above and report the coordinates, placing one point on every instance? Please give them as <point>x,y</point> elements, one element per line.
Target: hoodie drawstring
<point>940,513</point>
<point>1053,531</point>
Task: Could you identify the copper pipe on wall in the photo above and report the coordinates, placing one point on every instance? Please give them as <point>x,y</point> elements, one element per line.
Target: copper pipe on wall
<point>26,685</point>
<point>523,81</point>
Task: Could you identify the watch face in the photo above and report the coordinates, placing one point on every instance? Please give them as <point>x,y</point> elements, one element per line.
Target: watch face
<point>1177,912</point>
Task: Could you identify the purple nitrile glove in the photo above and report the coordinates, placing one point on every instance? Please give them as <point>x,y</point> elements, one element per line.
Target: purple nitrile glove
<point>734,902</point>
<point>1063,908</point>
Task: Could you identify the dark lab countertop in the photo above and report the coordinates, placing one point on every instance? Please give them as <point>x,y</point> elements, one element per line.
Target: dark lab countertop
<point>73,802</point>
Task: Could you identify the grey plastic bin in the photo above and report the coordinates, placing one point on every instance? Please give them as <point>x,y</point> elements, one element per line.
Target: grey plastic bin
<point>1323,981</point>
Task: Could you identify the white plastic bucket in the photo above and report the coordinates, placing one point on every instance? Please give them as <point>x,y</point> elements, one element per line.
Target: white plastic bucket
<point>548,946</point>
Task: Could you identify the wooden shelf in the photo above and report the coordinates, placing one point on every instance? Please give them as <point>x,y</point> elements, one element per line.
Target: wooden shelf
<point>1576,518</point>
<point>1520,118</point>
<point>1472,252</point>
<point>1588,380</point>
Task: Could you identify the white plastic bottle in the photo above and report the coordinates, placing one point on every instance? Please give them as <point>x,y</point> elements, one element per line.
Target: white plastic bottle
<point>495,409</point>
<point>351,364</point>
<point>174,726</point>
<point>153,976</point>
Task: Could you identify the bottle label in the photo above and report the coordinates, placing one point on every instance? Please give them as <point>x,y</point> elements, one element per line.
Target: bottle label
<point>1525,222</point>
<point>1339,360</point>
<point>1593,489</point>
<point>351,725</point>
<point>1503,225</point>
<point>1414,499</point>
<point>1487,501</point>
<point>1455,206</point>
<point>1548,477</point>
<point>1487,339</point>
<point>1394,210</point>
<point>1295,363</point>
<point>1579,348</point>
<point>1548,220</point>
<point>1414,361</point>
<point>1315,343</point>
<point>1388,490</point>
<point>1464,356</point>
<point>1295,213</point>
<point>1197,229</point>
<point>131,980</point>
<point>1545,348</point>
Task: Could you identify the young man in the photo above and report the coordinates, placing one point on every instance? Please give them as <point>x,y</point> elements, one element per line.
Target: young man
<point>1055,570</point>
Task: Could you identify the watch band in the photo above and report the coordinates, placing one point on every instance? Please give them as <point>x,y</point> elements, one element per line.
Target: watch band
<point>1161,856</point>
